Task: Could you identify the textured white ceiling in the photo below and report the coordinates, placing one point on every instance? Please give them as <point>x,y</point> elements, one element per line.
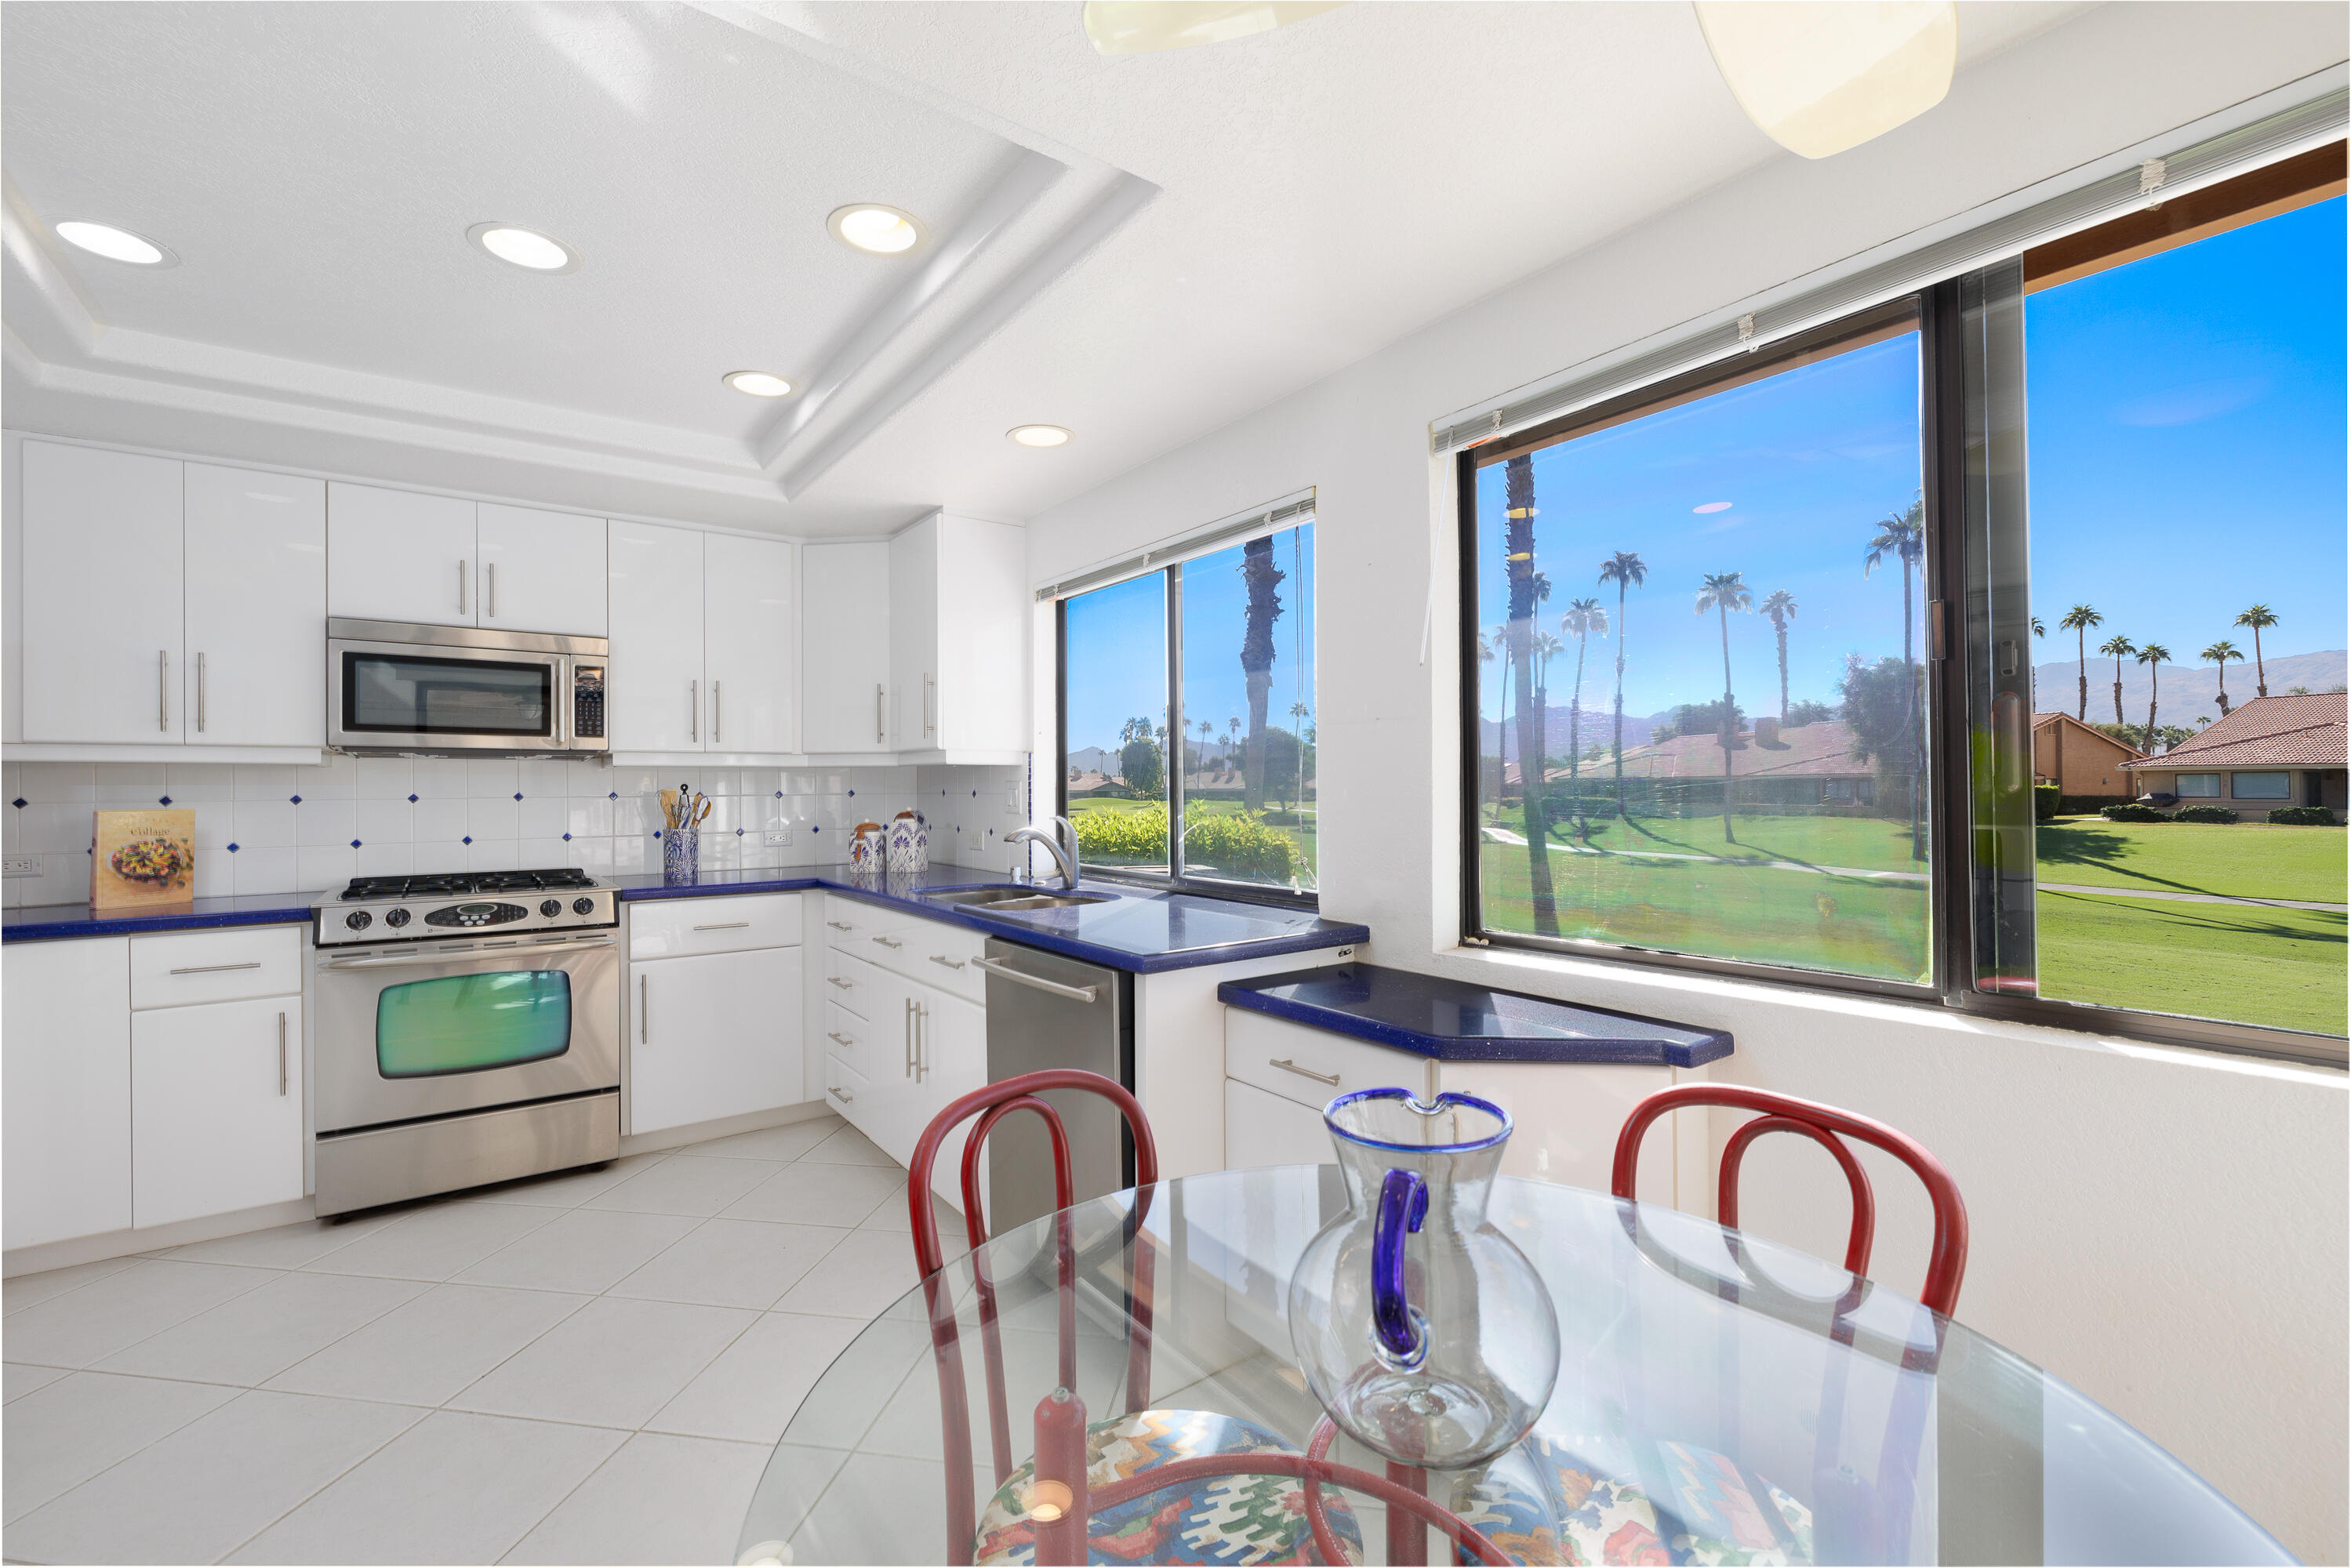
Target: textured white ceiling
<point>1323,190</point>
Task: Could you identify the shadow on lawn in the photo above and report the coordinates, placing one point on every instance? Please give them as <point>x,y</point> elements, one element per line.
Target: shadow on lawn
<point>2102,848</point>
<point>2179,915</point>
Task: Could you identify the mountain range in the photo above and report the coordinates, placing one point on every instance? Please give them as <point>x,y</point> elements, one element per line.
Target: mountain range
<point>2186,693</point>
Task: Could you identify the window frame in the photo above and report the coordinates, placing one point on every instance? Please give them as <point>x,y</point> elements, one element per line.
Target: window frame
<point>1941,324</point>
<point>2283,775</point>
<point>2180,787</point>
<point>1177,879</point>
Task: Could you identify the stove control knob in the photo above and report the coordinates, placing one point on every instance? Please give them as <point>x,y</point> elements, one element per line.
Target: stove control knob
<point>583,906</point>
<point>396,918</point>
<point>551,908</point>
<point>359,920</point>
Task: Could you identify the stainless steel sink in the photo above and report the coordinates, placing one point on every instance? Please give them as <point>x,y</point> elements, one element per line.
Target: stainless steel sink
<point>1014,899</point>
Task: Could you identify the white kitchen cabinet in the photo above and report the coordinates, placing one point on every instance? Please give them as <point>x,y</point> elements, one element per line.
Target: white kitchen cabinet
<point>653,690</point>
<point>255,612</point>
<point>1265,1129</point>
<point>845,647</point>
<point>713,1035</point>
<point>103,635</point>
<point>951,1060</point>
<point>959,626</point>
<point>539,571</point>
<point>65,1089</point>
<point>751,643</point>
<point>398,555</point>
<point>215,1108</point>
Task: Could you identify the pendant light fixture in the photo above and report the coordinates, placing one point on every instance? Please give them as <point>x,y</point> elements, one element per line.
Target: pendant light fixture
<point>1147,26</point>
<point>1821,75</point>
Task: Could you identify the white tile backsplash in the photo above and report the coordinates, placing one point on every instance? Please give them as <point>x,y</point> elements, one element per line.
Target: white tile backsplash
<point>600,819</point>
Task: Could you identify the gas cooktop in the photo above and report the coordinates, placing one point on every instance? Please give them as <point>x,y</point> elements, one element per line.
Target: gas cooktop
<point>459,904</point>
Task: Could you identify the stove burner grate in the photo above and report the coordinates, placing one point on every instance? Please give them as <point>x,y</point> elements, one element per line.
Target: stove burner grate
<point>459,884</point>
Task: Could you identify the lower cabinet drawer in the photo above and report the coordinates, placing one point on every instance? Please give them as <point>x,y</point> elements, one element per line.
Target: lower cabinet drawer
<point>940,955</point>
<point>855,985</point>
<point>845,1092</point>
<point>669,928</point>
<point>850,1038</point>
<point>177,969</point>
<point>1313,1066</point>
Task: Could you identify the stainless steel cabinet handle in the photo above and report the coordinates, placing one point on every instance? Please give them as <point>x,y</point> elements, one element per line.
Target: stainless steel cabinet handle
<point>725,925</point>
<point>215,968</point>
<point>929,687</point>
<point>838,1038</point>
<point>886,942</point>
<point>877,713</point>
<point>840,926</point>
<point>694,710</point>
<point>281,1056</point>
<point>843,1095</point>
<point>835,980</point>
<point>462,565</point>
<point>163,689</point>
<point>909,1027</point>
<point>200,694</point>
<point>717,711</point>
<point>1287,1065</point>
<point>943,959</point>
<point>1075,993</point>
<point>640,1008</point>
<point>494,590</point>
<point>921,1026</point>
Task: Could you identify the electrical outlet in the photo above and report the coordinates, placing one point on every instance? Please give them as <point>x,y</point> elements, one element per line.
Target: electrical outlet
<point>20,865</point>
<point>974,844</point>
<point>780,835</point>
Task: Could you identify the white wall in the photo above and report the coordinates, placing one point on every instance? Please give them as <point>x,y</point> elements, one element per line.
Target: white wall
<point>2166,1230</point>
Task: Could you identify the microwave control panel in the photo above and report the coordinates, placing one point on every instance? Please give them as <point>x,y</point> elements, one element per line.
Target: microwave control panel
<point>587,702</point>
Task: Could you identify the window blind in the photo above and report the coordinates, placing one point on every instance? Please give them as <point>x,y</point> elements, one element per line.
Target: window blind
<point>1285,514</point>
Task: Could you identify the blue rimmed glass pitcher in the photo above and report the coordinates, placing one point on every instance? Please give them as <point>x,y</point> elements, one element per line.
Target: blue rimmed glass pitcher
<point>1428,1336</point>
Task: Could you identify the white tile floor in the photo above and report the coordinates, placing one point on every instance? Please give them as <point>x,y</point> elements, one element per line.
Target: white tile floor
<point>585,1368</point>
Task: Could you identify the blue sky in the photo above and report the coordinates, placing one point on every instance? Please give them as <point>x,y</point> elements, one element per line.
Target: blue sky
<point>1118,645</point>
<point>2186,436</point>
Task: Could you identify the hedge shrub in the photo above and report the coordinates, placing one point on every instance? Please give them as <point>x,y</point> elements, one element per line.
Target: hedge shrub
<point>2133,812</point>
<point>2301,817</point>
<point>1237,845</point>
<point>2044,802</point>
<point>2204,814</point>
<point>1123,835</point>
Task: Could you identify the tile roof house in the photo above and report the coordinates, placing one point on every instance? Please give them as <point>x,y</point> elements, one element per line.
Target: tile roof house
<point>2078,759</point>
<point>2272,751</point>
<point>1820,763</point>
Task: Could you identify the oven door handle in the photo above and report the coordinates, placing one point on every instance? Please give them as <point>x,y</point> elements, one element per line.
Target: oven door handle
<point>401,960</point>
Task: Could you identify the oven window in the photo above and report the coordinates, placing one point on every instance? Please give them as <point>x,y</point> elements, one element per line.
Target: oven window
<point>470,1023</point>
<point>408,694</point>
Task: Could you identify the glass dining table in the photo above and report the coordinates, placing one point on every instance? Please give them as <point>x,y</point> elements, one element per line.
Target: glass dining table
<point>1720,1398</point>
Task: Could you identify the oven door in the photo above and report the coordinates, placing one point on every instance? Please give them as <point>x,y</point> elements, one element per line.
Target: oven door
<point>413,1032</point>
<point>411,696</point>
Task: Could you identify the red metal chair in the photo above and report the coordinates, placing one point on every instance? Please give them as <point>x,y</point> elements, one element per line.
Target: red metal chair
<point>1946,1262</point>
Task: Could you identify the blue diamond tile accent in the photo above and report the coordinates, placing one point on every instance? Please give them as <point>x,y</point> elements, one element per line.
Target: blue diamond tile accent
<point>567,838</point>
<point>518,794</point>
<point>163,801</point>
<point>739,832</point>
<point>19,802</point>
<point>467,838</point>
<point>657,832</point>
<point>232,849</point>
<point>355,843</point>
<point>814,829</point>
<point>296,799</point>
<point>779,794</point>
<point>614,795</point>
<point>411,799</point>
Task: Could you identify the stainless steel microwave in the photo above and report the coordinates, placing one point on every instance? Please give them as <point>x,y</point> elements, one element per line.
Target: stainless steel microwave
<point>397,687</point>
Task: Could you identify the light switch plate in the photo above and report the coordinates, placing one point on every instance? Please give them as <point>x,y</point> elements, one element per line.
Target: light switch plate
<point>20,865</point>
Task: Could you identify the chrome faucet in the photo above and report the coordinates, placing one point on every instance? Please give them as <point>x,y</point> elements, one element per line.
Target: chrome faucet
<point>1063,844</point>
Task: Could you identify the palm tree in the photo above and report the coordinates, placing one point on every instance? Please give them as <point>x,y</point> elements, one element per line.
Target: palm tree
<point>1585,618</point>
<point>2078,621</point>
<point>1723,592</point>
<point>1625,569</point>
<point>1499,635</point>
<point>2258,617</point>
<point>2220,653</point>
<point>2122,648</point>
<point>1547,647</point>
<point>1903,537</point>
<point>2152,656</point>
<point>2033,674</point>
<point>1205,729</point>
<point>1262,576</point>
<point>1778,609</point>
<point>1519,568</point>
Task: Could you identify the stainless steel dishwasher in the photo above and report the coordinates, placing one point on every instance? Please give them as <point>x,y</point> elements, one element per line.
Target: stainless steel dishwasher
<point>1045,1010</point>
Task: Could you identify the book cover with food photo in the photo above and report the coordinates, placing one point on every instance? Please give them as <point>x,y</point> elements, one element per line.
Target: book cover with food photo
<point>143,860</point>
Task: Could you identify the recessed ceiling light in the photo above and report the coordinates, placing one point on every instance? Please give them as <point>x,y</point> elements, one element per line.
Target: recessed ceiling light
<point>1038,435</point>
<point>114,243</point>
<point>758,383</point>
<point>868,226</point>
<point>526,248</point>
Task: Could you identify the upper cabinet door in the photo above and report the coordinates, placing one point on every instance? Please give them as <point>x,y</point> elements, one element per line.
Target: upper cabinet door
<point>751,643</point>
<point>540,571</point>
<point>915,637</point>
<point>103,579</point>
<point>845,647</point>
<point>256,609</point>
<point>654,693</point>
<point>982,702</point>
<point>395,555</point>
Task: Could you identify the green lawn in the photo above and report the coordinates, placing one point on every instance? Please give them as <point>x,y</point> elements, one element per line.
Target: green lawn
<point>2248,860</point>
<point>1865,843</point>
<point>2282,968</point>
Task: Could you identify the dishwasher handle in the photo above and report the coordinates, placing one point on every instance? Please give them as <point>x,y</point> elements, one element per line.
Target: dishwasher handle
<point>1075,993</point>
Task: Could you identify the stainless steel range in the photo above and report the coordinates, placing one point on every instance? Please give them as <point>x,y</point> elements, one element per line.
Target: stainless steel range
<point>469,1032</point>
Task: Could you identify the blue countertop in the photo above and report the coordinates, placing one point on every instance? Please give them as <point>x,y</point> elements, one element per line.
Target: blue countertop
<point>48,921</point>
<point>1458,1021</point>
<point>1135,929</point>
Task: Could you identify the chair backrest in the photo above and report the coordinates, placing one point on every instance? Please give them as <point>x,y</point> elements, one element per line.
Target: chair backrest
<point>1946,1262</point>
<point>992,1104</point>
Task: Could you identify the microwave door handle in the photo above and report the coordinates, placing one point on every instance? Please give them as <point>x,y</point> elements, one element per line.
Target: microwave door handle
<point>558,723</point>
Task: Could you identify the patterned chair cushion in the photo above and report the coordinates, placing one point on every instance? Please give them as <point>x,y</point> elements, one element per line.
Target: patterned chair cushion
<point>1238,1519</point>
<point>1571,1501</point>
